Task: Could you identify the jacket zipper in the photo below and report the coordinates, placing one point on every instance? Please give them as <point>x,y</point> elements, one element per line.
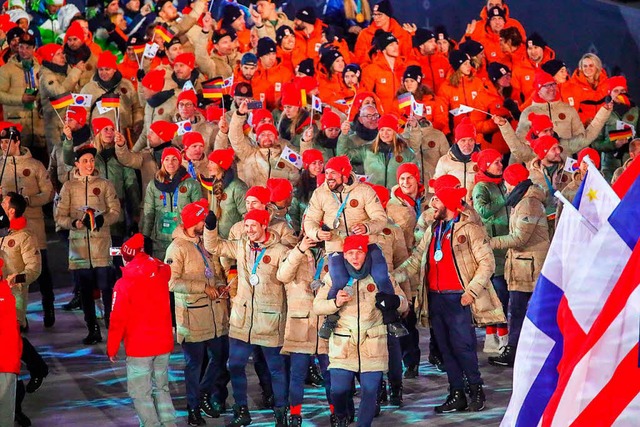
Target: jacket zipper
<point>253,290</point>
<point>455,262</point>
<point>358,302</point>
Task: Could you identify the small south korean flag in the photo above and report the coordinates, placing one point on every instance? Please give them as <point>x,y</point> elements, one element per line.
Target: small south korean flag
<point>292,157</point>
<point>101,109</point>
<point>184,127</point>
<point>150,50</point>
<point>363,178</point>
<point>188,86</point>
<point>316,104</point>
<point>81,100</point>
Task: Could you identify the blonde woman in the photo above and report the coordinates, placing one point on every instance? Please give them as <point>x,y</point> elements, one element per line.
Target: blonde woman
<point>587,88</point>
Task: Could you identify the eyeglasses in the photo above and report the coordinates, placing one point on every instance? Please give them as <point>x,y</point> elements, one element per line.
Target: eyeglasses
<point>185,104</point>
<point>550,85</point>
<point>371,116</point>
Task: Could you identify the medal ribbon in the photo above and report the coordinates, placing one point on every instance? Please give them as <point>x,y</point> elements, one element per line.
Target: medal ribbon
<point>175,198</point>
<point>204,258</point>
<point>257,262</point>
<point>342,206</point>
<point>319,269</point>
<point>439,235</point>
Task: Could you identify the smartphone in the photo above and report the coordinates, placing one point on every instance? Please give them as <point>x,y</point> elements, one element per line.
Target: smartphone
<point>20,278</point>
<point>254,105</point>
<point>115,251</point>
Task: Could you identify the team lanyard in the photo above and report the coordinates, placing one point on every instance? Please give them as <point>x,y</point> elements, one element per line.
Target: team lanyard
<point>257,261</point>
<point>319,269</point>
<point>439,235</point>
<point>175,198</point>
<point>342,206</point>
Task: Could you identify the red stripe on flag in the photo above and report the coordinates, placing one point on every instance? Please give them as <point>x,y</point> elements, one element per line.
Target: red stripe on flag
<point>615,396</point>
<point>628,177</point>
<point>629,280</point>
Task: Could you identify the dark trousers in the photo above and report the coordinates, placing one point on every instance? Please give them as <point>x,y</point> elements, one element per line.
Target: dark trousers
<point>89,278</point>
<point>239,353</point>
<point>341,394</point>
<point>36,365</point>
<point>410,344</point>
<point>500,285</point>
<point>434,349</point>
<point>298,373</point>
<point>262,371</point>
<point>395,361</point>
<point>216,376</point>
<point>379,271</point>
<point>453,328</point>
<point>45,282</point>
<point>518,302</point>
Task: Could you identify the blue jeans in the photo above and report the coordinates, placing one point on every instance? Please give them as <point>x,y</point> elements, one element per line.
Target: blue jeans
<point>298,373</point>
<point>153,406</point>
<point>379,271</point>
<point>216,376</point>
<point>500,285</point>
<point>518,302</point>
<point>395,361</point>
<point>341,394</point>
<point>240,352</point>
<point>453,328</point>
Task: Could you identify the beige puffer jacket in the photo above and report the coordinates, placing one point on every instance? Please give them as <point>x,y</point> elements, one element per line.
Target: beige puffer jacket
<point>465,172</point>
<point>27,176</point>
<point>426,221</point>
<point>269,28</point>
<point>213,64</point>
<point>573,136</point>
<point>258,164</point>
<point>54,84</point>
<point>473,255</point>
<point>198,318</point>
<point>405,215</point>
<point>12,87</point>
<point>258,313</point>
<point>559,180</point>
<point>99,194</point>
<point>430,145</point>
<point>21,256</point>
<point>301,331</point>
<point>363,207</point>
<point>164,111</point>
<point>394,249</point>
<point>527,241</point>
<point>130,112</point>
<point>359,341</point>
<point>142,160</point>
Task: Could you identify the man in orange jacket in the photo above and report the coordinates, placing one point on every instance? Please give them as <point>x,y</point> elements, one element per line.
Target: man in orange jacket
<point>382,20</point>
<point>271,74</point>
<point>384,75</point>
<point>308,33</point>
<point>435,66</point>
<point>525,70</point>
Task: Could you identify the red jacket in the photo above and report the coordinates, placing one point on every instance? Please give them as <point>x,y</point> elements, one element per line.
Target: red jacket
<point>141,314</point>
<point>378,77</point>
<point>10,339</point>
<point>435,68</point>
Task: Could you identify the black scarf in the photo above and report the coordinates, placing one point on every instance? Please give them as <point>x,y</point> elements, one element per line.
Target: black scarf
<point>328,143</point>
<point>58,69</point>
<point>464,158</point>
<point>171,185</point>
<point>518,193</point>
<point>363,132</point>
<point>621,109</point>
<point>385,148</point>
<point>285,125</point>
<point>83,53</point>
<point>160,98</point>
<point>364,271</point>
<point>180,82</point>
<point>157,151</point>
<point>108,153</point>
<point>110,85</point>
<point>81,135</point>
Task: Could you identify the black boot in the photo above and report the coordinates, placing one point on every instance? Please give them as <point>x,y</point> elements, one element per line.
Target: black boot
<point>241,416</point>
<point>195,419</point>
<point>456,401</point>
<point>314,377</point>
<point>268,402</point>
<point>295,421</point>
<point>506,358</point>
<point>395,398</point>
<point>411,372</point>
<point>395,328</point>
<point>476,398</point>
<point>333,420</point>
<point>25,329</point>
<point>207,408</point>
<point>74,304</point>
<point>280,416</point>
<point>22,419</point>
<point>341,422</point>
<point>436,361</point>
<point>94,336</point>
<point>49,315</point>
<point>382,393</point>
<point>329,324</point>
<point>220,408</point>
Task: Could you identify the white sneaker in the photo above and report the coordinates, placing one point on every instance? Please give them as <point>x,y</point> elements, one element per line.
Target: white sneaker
<point>490,343</point>
<point>99,309</point>
<point>503,341</point>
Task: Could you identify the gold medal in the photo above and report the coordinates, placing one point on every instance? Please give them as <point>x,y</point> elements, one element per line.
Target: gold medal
<point>359,18</point>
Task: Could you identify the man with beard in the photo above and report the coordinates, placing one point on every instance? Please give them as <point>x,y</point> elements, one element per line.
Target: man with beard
<point>108,82</point>
<point>425,52</point>
<point>384,74</point>
<point>18,95</point>
<point>546,171</point>
<point>185,73</point>
<point>455,292</point>
<point>524,69</point>
<point>56,78</point>
<point>181,25</point>
<point>160,98</point>
<point>243,73</point>
<point>76,50</point>
<point>365,130</point>
<point>224,57</point>
<point>615,152</point>
<point>308,32</point>
<point>457,161</point>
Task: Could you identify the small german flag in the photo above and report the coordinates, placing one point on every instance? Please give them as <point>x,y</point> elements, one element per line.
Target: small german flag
<point>111,102</point>
<point>207,183</point>
<point>164,33</point>
<point>617,135</point>
<point>139,49</point>
<point>212,93</point>
<point>91,213</point>
<point>214,82</point>
<point>61,101</point>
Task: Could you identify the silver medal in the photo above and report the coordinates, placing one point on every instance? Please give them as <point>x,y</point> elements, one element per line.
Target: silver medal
<point>349,290</point>
<point>254,280</point>
<point>316,284</point>
<point>336,223</point>
<point>208,273</point>
<point>437,256</point>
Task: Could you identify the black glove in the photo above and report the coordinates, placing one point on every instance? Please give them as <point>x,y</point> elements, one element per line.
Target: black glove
<point>148,245</point>
<point>87,222</point>
<point>140,74</point>
<point>511,105</point>
<point>210,221</point>
<point>386,302</point>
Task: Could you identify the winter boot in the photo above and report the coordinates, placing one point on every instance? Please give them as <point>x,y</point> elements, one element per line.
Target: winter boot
<point>436,361</point>
<point>268,401</point>
<point>411,372</point>
<point>395,328</point>
<point>476,398</point>
<point>342,422</point>
<point>280,415</point>
<point>456,401</point>
<point>94,336</point>
<point>73,304</point>
<point>206,408</point>
<point>395,397</point>
<point>314,377</point>
<point>49,314</point>
<point>195,419</point>
<point>329,324</point>
<point>382,393</point>
<point>295,421</point>
<point>241,416</point>
<point>220,408</point>
<point>506,358</point>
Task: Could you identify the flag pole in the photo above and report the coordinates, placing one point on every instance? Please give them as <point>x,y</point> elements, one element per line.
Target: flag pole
<point>568,205</point>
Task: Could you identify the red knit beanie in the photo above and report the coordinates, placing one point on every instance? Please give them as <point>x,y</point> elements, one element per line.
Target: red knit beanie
<point>259,215</point>
<point>132,247</point>
<point>261,193</point>
<point>165,130</point>
<point>356,241</point>
<point>410,168</point>
<point>484,158</point>
<point>171,151</point>
<point>388,121</point>
<point>594,156</point>
<point>340,164</point>
<point>267,127</point>
<point>280,189</point>
<point>542,145</point>
<point>79,114</point>
<point>100,123</point>
<point>194,212</point>
<point>310,156</point>
<point>451,197</point>
<point>383,194</point>
<point>465,129</point>
<point>516,173</point>
<point>190,138</point>
<point>107,60</point>
<point>329,119</point>
<point>443,182</point>
<point>615,81</point>
<point>222,157</point>
<point>188,95</point>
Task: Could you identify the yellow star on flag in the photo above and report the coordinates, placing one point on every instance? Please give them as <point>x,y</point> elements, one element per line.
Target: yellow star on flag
<point>592,195</point>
